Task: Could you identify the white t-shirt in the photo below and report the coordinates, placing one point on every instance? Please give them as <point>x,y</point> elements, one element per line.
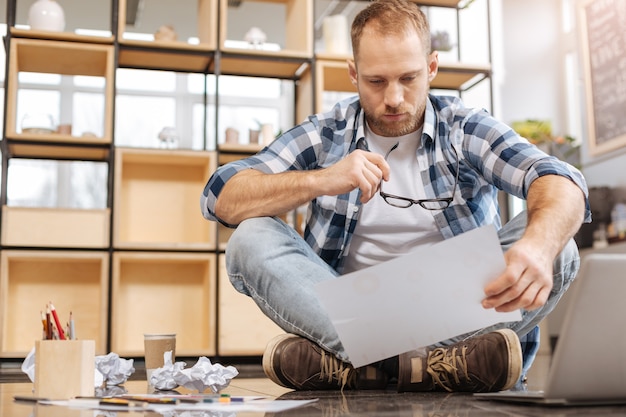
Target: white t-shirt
<point>384,232</point>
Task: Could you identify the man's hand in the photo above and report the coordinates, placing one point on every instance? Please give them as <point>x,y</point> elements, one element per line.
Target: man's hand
<point>251,193</point>
<point>525,283</point>
<point>360,169</point>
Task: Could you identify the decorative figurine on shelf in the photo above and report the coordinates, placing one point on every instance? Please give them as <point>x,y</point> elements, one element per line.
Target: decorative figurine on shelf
<point>232,135</point>
<point>336,38</point>
<point>46,15</point>
<point>255,37</point>
<point>253,136</point>
<point>165,33</point>
<point>168,138</point>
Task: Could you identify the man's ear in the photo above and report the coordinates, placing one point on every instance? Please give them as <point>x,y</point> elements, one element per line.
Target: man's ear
<point>352,71</point>
<point>433,65</point>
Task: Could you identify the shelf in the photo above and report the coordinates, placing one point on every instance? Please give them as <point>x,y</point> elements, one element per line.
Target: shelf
<point>59,36</point>
<point>74,281</point>
<point>55,228</point>
<point>206,25</point>
<point>63,58</point>
<point>57,146</point>
<point>243,329</point>
<point>171,56</point>
<point>262,64</point>
<point>161,292</point>
<point>331,72</point>
<point>289,62</point>
<point>156,198</point>
<point>298,27</point>
<point>459,76</point>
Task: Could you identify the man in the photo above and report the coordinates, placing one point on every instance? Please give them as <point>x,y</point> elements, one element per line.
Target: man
<point>384,173</point>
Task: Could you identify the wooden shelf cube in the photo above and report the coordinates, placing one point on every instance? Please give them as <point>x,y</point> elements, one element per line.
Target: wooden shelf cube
<point>332,75</point>
<point>74,281</point>
<point>156,199</point>
<point>52,227</point>
<point>63,58</point>
<point>173,55</point>
<point>243,329</point>
<point>89,19</point>
<point>287,63</point>
<point>160,292</point>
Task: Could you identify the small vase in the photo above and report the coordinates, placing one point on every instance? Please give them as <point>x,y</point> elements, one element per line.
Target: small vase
<point>46,15</point>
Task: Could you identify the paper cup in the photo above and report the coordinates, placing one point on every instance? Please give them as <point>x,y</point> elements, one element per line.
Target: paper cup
<point>155,345</point>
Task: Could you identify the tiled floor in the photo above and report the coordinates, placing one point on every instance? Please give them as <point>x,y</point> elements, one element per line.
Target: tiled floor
<point>329,404</point>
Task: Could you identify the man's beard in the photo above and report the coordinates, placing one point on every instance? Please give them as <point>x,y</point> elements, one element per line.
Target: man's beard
<point>394,129</point>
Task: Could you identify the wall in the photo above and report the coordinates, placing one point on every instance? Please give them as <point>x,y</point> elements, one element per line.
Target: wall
<point>531,83</point>
<point>529,69</point>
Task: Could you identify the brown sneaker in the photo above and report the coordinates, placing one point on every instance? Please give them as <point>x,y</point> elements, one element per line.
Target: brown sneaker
<point>490,362</point>
<point>295,362</point>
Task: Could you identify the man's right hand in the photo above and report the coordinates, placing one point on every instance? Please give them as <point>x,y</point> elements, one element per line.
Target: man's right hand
<point>251,193</point>
<point>360,169</point>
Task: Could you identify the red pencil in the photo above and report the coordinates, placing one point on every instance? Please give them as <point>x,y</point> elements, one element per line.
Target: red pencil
<point>56,320</point>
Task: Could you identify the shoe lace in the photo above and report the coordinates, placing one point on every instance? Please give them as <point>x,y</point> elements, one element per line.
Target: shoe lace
<point>444,365</point>
<point>332,369</point>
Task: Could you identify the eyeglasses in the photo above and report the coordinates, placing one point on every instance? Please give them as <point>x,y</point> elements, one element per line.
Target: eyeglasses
<point>428,203</point>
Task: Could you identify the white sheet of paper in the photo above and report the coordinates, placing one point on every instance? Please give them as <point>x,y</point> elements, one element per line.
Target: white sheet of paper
<point>417,299</point>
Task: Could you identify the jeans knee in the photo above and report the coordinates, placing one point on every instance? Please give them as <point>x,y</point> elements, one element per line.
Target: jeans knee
<point>566,267</point>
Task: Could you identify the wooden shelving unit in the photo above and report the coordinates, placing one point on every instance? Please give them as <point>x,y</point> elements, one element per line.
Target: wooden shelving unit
<point>75,281</point>
<point>289,62</point>
<point>55,227</point>
<point>164,292</point>
<point>177,55</point>
<point>156,199</point>
<point>63,58</point>
<point>236,314</point>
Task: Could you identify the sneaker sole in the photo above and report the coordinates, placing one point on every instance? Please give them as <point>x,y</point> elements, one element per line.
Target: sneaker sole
<point>268,359</point>
<point>515,357</point>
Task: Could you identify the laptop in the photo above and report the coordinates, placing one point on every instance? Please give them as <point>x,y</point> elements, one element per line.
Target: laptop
<point>588,365</point>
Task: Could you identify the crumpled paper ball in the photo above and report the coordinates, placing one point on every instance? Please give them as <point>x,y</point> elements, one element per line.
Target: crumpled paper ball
<point>199,377</point>
<point>114,369</point>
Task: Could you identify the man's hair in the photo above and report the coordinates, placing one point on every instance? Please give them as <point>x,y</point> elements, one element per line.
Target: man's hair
<point>391,17</point>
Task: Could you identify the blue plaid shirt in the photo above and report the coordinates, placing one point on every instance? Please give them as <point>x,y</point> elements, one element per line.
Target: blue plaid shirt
<point>491,155</point>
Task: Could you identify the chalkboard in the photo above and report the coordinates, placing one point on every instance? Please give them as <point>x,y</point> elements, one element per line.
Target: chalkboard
<point>603,38</point>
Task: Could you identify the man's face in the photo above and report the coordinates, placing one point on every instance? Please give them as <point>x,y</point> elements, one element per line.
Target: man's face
<point>392,74</point>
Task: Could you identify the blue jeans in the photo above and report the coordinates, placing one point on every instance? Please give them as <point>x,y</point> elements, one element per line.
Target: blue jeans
<point>267,260</point>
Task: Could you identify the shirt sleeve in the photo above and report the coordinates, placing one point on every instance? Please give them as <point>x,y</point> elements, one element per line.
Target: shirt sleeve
<point>509,161</point>
<point>294,150</point>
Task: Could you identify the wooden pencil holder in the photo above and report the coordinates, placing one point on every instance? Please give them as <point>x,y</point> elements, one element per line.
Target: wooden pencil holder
<point>64,368</point>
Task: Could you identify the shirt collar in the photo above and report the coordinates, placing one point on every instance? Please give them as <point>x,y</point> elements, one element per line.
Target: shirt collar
<point>430,121</point>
